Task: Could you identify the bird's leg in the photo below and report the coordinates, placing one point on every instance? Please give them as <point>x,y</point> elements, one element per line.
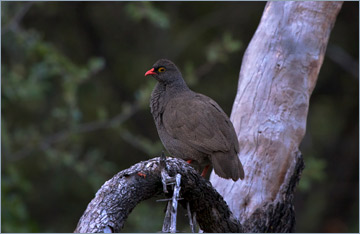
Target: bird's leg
<point>203,174</point>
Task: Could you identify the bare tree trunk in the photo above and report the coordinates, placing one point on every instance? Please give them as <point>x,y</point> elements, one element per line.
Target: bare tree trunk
<point>278,74</point>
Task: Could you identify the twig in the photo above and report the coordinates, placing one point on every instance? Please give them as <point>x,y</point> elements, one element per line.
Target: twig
<point>46,142</point>
<point>192,218</point>
<point>14,22</point>
<point>167,219</point>
<point>343,59</point>
<point>175,203</point>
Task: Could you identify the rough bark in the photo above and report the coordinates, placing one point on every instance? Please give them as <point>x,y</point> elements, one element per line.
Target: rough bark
<point>108,211</point>
<point>278,74</point>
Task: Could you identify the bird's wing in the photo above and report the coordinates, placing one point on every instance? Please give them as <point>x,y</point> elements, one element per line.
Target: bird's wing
<point>200,122</point>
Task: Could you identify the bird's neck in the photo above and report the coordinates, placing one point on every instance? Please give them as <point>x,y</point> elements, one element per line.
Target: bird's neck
<point>162,94</point>
<point>177,87</point>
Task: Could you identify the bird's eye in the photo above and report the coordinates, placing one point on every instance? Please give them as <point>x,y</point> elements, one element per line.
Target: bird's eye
<point>161,69</point>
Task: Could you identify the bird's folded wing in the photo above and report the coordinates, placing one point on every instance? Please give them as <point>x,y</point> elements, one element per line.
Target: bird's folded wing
<point>199,123</point>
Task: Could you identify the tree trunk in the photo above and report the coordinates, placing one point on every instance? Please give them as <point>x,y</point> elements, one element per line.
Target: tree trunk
<point>278,74</point>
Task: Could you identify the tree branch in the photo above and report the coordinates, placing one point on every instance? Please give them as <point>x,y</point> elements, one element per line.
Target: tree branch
<point>118,196</point>
<point>339,56</point>
<point>13,25</point>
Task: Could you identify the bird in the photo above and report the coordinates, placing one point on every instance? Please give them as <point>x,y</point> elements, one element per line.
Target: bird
<point>193,126</point>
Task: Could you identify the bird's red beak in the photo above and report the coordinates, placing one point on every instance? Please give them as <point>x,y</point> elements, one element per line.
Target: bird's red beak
<point>150,72</point>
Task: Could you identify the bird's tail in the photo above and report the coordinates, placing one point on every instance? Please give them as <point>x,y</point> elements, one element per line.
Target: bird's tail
<point>227,166</point>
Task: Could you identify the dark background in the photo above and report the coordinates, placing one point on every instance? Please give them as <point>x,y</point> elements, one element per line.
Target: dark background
<point>75,105</point>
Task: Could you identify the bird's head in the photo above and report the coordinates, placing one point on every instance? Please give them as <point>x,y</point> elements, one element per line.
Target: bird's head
<point>165,72</point>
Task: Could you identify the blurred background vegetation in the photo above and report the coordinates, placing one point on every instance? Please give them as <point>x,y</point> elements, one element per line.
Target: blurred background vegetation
<point>75,105</point>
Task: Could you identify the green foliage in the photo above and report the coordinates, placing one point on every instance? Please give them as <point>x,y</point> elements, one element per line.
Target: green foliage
<point>41,83</point>
<point>39,72</point>
<point>313,173</point>
<point>190,74</point>
<point>140,219</point>
<point>219,51</point>
<point>145,10</point>
<point>142,95</point>
<point>14,189</point>
<point>142,143</point>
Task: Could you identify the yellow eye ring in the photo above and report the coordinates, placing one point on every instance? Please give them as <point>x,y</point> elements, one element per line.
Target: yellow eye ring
<point>161,69</point>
